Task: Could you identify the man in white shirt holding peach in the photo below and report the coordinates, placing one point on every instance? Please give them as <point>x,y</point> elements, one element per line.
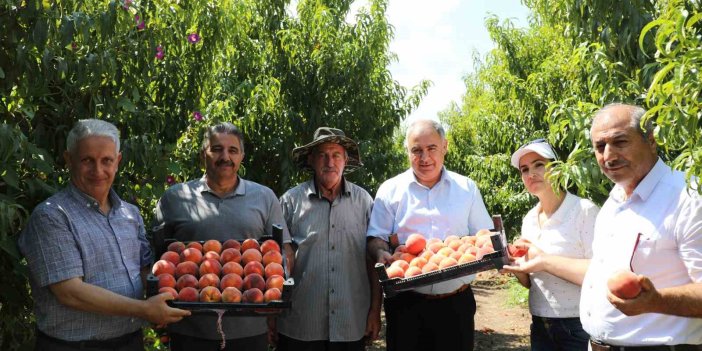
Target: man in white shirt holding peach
<point>651,224</point>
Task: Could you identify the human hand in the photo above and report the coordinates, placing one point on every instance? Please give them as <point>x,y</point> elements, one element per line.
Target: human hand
<point>645,302</point>
<point>372,325</point>
<point>159,313</point>
<point>272,322</point>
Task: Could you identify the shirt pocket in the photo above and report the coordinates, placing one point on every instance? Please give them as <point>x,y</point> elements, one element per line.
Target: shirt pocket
<point>651,245</point>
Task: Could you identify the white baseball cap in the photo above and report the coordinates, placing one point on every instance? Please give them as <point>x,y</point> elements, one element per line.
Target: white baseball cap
<point>540,146</point>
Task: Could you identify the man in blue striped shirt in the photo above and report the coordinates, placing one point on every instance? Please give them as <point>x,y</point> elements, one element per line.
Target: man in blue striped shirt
<point>328,217</point>
<point>88,255</point>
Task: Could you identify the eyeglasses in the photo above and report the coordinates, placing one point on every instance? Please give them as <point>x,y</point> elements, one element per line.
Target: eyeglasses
<point>535,141</point>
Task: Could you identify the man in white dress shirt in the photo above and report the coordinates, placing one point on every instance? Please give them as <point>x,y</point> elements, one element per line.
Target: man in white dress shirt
<point>431,200</point>
<point>651,224</point>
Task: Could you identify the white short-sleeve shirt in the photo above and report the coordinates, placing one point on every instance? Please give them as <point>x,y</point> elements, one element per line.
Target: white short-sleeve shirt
<point>568,232</point>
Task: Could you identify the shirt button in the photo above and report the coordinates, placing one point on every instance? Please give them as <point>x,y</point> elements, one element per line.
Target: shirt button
<point>332,312</point>
<point>333,247</point>
<point>332,269</point>
<point>332,226</point>
<point>332,291</point>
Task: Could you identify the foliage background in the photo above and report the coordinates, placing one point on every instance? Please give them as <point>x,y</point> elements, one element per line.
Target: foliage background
<point>280,76</point>
<point>161,71</point>
<point>547,80</point>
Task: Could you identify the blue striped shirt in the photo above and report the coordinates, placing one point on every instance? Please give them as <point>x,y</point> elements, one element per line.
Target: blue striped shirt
<point>68,237</point>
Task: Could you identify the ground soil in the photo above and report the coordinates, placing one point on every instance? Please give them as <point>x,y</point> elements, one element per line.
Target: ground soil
<point>498,326</point>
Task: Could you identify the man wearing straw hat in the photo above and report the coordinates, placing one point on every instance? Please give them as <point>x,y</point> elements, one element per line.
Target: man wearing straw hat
<point>327,217</point>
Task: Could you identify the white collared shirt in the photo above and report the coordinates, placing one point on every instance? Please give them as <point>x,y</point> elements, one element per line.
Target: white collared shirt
<point>568,233</point>
<point>453,206</point>
<point>668,218</point>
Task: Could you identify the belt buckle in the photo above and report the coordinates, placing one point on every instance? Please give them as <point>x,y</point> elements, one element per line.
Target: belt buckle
<point>599,346</point>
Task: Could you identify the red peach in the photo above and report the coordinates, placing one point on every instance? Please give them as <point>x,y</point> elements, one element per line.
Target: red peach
<point>188,294</point>
<point>230,255</point>
<point>426,254</point>
<point>176,246</point>
<point>624,284</point>
<point>210,294</point>
<point>171,256</point>
<point>231,244</point>
<point>412,271</point>
<point>430,267</point>
<point>209,279</point>
<point>436,259</point>
<point>170,290</point>
<point>447,262</point>
<point>187,280</point>
<point>450,238</point>
<point>466,258</point>
<point>233,267</point>
<point>273,269</point>
<point>469,239</point>
<point>231,294</point>
<point>210,266</point>
<point>250,244</point>
<point>484,251</point>
<point>166,280</point>
<point>400,263</point>
<point>418,262</point>
<point>455,244</point>
<point>515,251</point>
<point>272,295</point>
<point>395,272</point>
<point>251,255</point>
<point>191,254</point>
<point>456,255</point>
<point>212,245</point>
<point>186,267</point>
<point>194,245</point>
<point>272,257</point>
<point>445,251</point>
<point>270,245</point>
<point>163,266</point>
<point>254,280</point>
<point>275,281</point>
<point>253,267</point>
<point>407,257</point>
<point>233,280</point>
<point>253,295</point>
<point>211,255</point>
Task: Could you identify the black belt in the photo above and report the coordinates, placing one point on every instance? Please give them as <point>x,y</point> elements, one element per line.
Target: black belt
<point>599,346</point>
<point>111,343</point>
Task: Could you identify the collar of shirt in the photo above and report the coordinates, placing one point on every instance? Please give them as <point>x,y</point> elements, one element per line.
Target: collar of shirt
<point>202,187</point>
<point>312,190</point>
<point>410,178</point>
<point>90,201</point>
<point>562,214</point>
<point>645,187</point>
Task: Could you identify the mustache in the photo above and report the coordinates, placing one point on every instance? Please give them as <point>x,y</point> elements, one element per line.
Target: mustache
<point>224,163</point>
<point>615,163</point>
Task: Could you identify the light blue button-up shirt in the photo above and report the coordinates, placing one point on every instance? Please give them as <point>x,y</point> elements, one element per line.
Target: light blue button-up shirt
<point>453,206</point>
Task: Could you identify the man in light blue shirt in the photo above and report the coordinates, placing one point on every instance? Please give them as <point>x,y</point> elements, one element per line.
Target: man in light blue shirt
<point>435,202</point>
<point>87,255</point>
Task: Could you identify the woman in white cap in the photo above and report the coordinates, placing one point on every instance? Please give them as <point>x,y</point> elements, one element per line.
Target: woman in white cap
<point>558,234</point>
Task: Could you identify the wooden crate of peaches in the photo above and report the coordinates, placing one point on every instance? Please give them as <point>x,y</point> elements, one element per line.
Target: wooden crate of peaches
<point>422,261</point>
<point>242,278</point>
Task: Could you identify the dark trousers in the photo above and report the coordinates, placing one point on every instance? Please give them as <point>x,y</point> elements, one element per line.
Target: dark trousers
<point>289,344</point>
<point>129,342</point>
<point>558,334</point>
<point>414,322</point>
<point>180,342</point>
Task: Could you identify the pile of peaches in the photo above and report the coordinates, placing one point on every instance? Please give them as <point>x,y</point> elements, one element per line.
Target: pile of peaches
<point>234,272</point>
<point>419,255</point>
